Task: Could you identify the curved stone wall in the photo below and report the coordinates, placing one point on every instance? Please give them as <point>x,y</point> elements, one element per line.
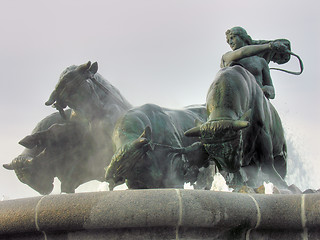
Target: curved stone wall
<point>162,214</point>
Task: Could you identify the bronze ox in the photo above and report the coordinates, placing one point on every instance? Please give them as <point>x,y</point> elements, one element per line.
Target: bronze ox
<point>51,151</point>
<point>243,133</point>
<point>150,148</point>
<point>74,147</point>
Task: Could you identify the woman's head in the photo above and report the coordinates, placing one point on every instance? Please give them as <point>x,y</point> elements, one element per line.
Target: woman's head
<point>238,37</point>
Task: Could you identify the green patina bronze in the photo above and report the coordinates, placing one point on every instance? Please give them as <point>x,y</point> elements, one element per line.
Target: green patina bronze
<point>150,148</point>
<point>76,144</point>
<point>243,132</point>
<point>103,137</point>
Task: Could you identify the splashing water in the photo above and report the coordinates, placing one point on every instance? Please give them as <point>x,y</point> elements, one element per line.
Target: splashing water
<point>4,198</point>
<point>268,188</point>
<point>104,186</point>
<point>219,184</point>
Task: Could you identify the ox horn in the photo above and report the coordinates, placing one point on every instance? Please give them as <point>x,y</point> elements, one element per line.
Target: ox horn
<point>8,166</point>
<point>240,124</point>
<point>198,122</point>
<point>193,132</point>
<point>52,98</point>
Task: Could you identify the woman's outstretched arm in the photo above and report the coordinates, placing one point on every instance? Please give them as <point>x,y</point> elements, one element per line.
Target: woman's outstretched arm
<point>246,51</point>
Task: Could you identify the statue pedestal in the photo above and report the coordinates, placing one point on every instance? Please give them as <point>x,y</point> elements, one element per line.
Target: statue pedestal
<point>162,214</point>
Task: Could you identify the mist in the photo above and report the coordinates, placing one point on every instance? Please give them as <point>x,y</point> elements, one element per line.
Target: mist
<point>299,172</point>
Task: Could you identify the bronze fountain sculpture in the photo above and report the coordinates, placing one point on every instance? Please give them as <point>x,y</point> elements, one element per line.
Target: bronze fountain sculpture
<point>238,130</point>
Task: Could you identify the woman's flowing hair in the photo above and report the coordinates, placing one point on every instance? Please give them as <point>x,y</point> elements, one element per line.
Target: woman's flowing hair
<point>279,58</point>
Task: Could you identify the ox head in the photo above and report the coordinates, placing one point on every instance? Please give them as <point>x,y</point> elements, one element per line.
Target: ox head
<point>76,90</point>
<point>37,176</point>
<point>126,158</point>
<point>222,140</point>
<point>48,153</point>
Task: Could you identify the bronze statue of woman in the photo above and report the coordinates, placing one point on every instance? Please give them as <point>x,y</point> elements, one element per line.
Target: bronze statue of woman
<point>249,54</point>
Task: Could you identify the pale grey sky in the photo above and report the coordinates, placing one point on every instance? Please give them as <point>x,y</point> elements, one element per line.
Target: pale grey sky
<point>162,51</point>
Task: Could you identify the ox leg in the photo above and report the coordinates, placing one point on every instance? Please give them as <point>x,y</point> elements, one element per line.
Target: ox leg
<point>174,171</point>
<point>238,178</point>
<point>67,188</point>
<point>252,174</point>
<point>280,162</point>
<point>205,177</point>
<point>280,165</point>
<point>265,153</point>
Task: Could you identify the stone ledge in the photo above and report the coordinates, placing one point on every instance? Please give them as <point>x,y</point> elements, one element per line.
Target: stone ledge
<point>161,214</point>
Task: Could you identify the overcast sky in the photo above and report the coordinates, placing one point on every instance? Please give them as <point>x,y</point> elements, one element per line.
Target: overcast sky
<point>163,51</point>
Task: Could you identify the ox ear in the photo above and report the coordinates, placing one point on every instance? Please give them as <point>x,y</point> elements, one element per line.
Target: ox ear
<point>84,67</point>
<point>94,68</point>
<point>146,133</point>
<point>29,141</point>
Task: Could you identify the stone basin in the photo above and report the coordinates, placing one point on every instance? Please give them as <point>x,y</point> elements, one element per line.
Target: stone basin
<point>162,214</point>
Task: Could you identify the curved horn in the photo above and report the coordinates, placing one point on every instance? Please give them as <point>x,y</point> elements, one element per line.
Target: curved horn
<point>8,166</point>
<point>52,98</point>
<point>193,132</point>
<point>239,124</point>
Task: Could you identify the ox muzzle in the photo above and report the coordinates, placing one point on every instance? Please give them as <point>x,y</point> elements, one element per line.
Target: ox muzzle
<point>222,139</point>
